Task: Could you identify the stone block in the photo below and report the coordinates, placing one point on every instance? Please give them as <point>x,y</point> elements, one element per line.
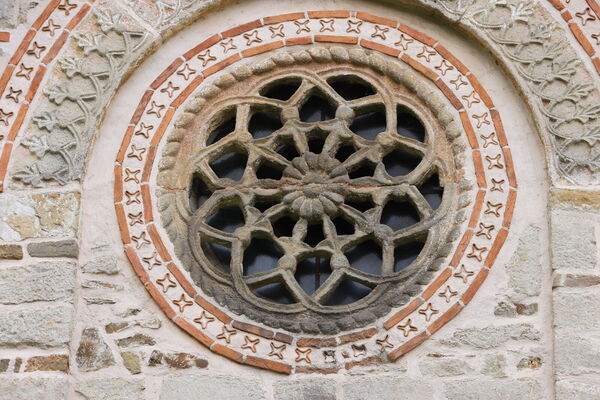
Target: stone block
<point>132,362</point>
<point>34,388</point>
<point>102,265</point>
<point>11,252</point>
<point>202,387</point>
<point>524,269</point>
<point>576,355</point>
<point>93,353</point>
<point>387,388</point>
<point>62,248</point>
<point>139,339</point>
<point>44,327</point>
<point>492,336</point>
<point>47,281</point>
<point>305,389</point>
<point>494,365</point>
<point>573,242</point>
<point>176,360</point>
<point>56,362</point>
<point>444,366</point>
<point>576,309</point>
<point>110,389</point>
<point>500,389</point>
<point>587,388</point>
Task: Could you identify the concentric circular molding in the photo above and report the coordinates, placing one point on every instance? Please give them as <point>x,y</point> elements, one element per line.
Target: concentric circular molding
<point>454,285</point>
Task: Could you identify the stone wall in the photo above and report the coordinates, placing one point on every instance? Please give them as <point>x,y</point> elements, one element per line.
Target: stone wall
<point>76,322</point>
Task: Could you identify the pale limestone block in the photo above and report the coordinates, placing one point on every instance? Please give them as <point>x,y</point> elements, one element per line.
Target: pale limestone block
<point>45,327</point>
<point>48,281</point>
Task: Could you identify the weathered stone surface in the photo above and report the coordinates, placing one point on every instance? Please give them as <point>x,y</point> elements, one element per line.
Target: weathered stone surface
<point>102,265</point>
<point>47,281</point>
<point>45,327</point>
<point>132,362</point>
<point>530,362</point>
<point>501,389</point>
<point>34,388</point>
<point>576,309</point>
<point>583,388</point>
<point>444,366</point>
<point>492,336</point>
<point>524,269</point>
<point>494,365</point>
<point>176,360</point>
<point>139,339</point>
<point>40,215</point>
<point>93,353</point>
<point>576,355</point>
<point>18,363</point>
<point>94,284</point>
<point>187,387</point>
<point>305,389</point>
<point>115,327</point>
<point>11,252</point>
<point>387,388</point>
<point>110,389</point>
<point>575,280</point>
<point>4,364</point>
<point>61,248</point>
<point>573,242</point>
<point>99,300</point>
<point>510,309</point>
<point>56,362</point>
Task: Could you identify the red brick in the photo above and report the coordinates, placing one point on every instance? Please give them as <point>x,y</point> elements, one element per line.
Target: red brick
<point>78,17</point>
<point>147,204</point>
<point>137,265</point>
<point>166,73</point>
<point>421,37</point>
<point>58,44</point>
<point>6,77</point>
<point>192,330</point>
<point>329,14</point>
<point>594,6</point>
<point>45,14</point>
<point>596,62</point>
<point>363,363</point>
<point>498,243</point>
<point>483,94</point>
<point>185,93</point>
<point>227,352</point>
<point>211,41</point>
<point>445,318</point>
<point>283,18</point>
<point>256,330</point>
<point>18,122</point>
<point>477,209</point>
<point>262,48</point>
<point>125,144</point>
<point>500,134</point>
<point>557,4</point>
<point>35,83</point>
<point>299,41</point>
<point>444,52</point>
<point>408,346</point>
<point>449,94</point>
<point>468,127</point>
<point>510,208</point>
<point>118,195</point>
<point>436,284</point>
<point>242,28</point>
<point>160,300</point>
<point>4,36</point>
<point>6,152</point>
<point>583,41</point>
<point>376,19</point>
<point>430,74</point>
<point>122,220</point>
<point>510,167</point>
<point>16,57</point>
<point>221,65</point>
<point>462,246</point>
<point>221,316</point>
<point>479,171</point>
<point>566,15</point>
<point>158,243</point>
<point>475,285</point>
<point>403,313</point>
<point>336,39</point>
<point>148,164</point>
<point>390,51</point>
<point>356,336</point>
<point>269,364</point>
<point>139,111</point>
<point>282,337</point>
<point>183,281</point>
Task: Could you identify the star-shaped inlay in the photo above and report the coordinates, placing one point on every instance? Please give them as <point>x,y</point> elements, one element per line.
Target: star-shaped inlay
<point>426,54</point>
<point>170,89</point>
<point>182,302</point>
<point>132,175</point>
<point>156,109</point>
<point>302,26</point>
<point>448,294</point>
<point>140,240</point>
<point>36,50</point>
<point>144,130</point>
<point>489,140</point>
<point>14,94</point>
<point>303,355</point>
<point>277,31</point>
<point>277,351</point>
<point>586,16</point>
<point>493,208</point>
<point>428,312</point>
<point>66,6</point>
<point>5,116</point>
<point>471,99</point>
<point>136,219</point>
<point>226,334</point>
<point>250,343</point>
<point>204,319</point>
<point>327,25</point>
<point>186,71</point>
<point>463,274</point>
<point>360,350</point>
<point>329,356</point>
<point>485,230</point>
<point>252,37</point>
<point>133,197</point>
<point>380,32</point>
<point>50,27</point>
<point>477,252</point>
<point>482,119</point>
<point>444,67</point>
<point>354,26</point>
<point>458,82</point>
<point>24,71</point>
<point>206,57</point>
<point>166,283</point>
<point>407,328</point>
<point>136,152</point>
<point>494,162</point>
<point>596,37</point>
<point>228,45</point>
<point>384,343</point>
<point>404,41</point>
<point>497,185</point>
<point>152,261</point>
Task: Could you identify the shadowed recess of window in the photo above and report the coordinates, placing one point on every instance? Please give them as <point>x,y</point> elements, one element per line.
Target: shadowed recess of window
<point>227,219</point>
<point>220,255</point>
<point>288,151</point>
<point>316,109</point>
<point>230,165</point>
<point>365,257</point>
<point>263,204</point>
<point>198,193</point>
<point>361,205</point>
<point>316,145</point>
<point>314,235</point>
<point>365,169</point>
<point>262,125</point>
<point>276,292</point>
<point>399,214</point>
<point>282,90</point>
<point>400,163</point>
<point>342,226</point>
<point>344,152</point>
<point>351,87</point>
<point>409,125</point>
<point>347,292</point>
<point>223,129</point>
<point>261,255</point>
<point>432,191</point>
<point>370,124</point>
<point>268,170</point>
<point>312,273</point>
<point>405,254</point>
<point>284,226</point>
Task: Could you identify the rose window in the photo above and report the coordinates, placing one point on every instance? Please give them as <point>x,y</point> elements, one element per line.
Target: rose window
<point>313,199</point>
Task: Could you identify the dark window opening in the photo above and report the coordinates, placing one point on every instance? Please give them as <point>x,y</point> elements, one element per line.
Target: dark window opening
<point>284,226</point>
<point>227,219</point>
<point>343,227</point>
<point>276,292</point>
<point>314,235</point>
<point>312,273</point>
<point>344,152</point>
<point>351,87</point>
<point>220,255</point>
<point>223,129</point>
<point>432,191</point>
<point>347,292</point>
<point>268,170</point>
<point>365,257</point>
<point>282,90</point>
<point>262,125</point>
<point>399,215</point>
<point>409,125</point>
<point>366,169</point>
<point>406,254</point>
<point>198,193</point>
<point>231,165</point>
<point>264,204</point>
<point>400,163</point>
<point>370,124</point>
<point>316,109</point>
<point>288,151</point>
<point>261,255</point>
<point>360,205</point>
<point>316,145</point>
